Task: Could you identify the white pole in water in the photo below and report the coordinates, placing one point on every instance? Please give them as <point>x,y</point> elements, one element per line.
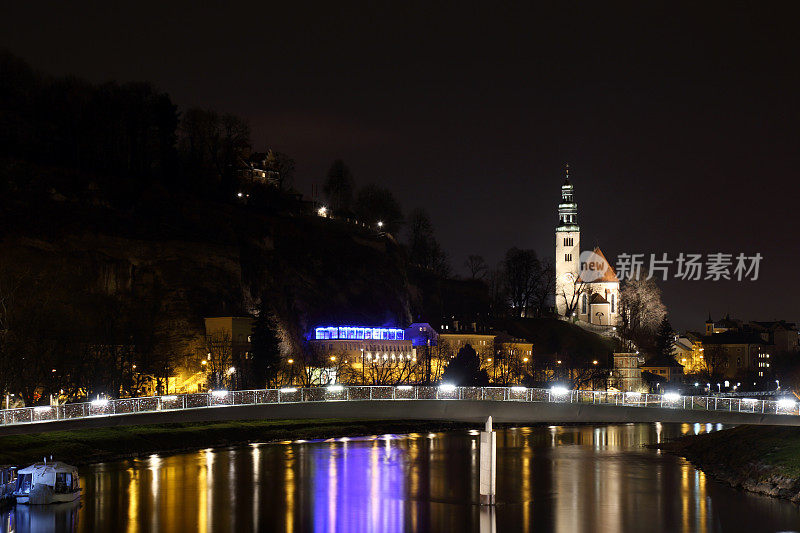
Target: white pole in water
<point>488,481</point>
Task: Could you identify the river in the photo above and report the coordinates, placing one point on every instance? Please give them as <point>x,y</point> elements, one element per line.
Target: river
<point>559,478</point>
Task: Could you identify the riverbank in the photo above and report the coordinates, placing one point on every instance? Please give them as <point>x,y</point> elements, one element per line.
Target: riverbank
<point>80,447</point>
<point>760,459</point>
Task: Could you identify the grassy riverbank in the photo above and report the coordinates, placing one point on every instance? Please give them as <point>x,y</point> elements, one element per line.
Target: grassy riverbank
<point>106,444</point>
<point>762,459</point>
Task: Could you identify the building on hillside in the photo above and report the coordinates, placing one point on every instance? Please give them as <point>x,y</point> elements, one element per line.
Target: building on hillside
<point>587,288</point>
<point>627,374</point>
<point>664,367</point>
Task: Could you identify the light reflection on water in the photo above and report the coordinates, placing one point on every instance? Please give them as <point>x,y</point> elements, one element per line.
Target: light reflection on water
<point>565,479</point>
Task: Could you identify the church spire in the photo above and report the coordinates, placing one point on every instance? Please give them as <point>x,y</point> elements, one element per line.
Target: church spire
<point>567,208</point>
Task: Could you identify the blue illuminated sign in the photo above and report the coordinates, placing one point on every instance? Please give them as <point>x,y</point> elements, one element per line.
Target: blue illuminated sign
<point>358,333</point>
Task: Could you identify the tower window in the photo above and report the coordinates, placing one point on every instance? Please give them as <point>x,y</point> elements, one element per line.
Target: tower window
<point>568,241</point>
<point>567,257</point>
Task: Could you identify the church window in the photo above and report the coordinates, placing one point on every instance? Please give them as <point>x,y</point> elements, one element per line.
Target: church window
<point>584,300</point>
<point>613,303</point>
<point>567,257</point>
<point>568,241</point>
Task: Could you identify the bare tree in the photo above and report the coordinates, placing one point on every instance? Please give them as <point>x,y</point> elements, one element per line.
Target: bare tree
<point>476,266</point>
<point>219,354</point>
<point>573,298</point>
<point>642,311</point>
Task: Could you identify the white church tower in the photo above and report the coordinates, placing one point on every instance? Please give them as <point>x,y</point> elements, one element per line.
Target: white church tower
<point>568,247</point>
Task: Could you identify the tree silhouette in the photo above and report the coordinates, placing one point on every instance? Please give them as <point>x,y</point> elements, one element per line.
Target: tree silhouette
<point>464,370</point>
<point>339,186</point>
<point>265,348</point>
<point>377,204</point>
<point>665,339</point>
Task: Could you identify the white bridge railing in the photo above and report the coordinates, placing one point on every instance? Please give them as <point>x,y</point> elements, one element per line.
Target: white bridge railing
<point>220,398</point>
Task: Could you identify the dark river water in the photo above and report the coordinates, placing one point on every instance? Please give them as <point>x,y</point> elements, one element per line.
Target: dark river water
<point>565,479</point>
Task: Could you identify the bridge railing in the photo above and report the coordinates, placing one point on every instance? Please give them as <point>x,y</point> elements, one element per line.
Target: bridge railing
<point>222,398</point>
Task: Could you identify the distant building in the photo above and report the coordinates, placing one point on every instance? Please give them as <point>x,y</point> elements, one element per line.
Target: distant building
<point>361,345</point>
<point>226,348</point>
<point>627,375</point>
<point>732,352</point>
<point>237,329</point>
<point>688,351</point>
<point>782,335</point>
<point>422,334</point>
<point>732,347</point>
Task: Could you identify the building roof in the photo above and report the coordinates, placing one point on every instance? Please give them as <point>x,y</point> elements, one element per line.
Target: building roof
<point>734,337</point>
<point>661,361</point>
<point>597,299</point>
<point>609,276</point>
<point>775,324</point>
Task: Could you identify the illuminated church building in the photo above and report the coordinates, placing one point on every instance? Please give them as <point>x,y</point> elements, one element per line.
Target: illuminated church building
<point>594,301</point>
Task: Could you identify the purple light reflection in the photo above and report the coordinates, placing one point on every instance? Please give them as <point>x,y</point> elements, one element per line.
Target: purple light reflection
<point>359,486</point>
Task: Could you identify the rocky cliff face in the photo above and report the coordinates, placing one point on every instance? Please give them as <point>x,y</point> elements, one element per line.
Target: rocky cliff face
<point>193,259</point>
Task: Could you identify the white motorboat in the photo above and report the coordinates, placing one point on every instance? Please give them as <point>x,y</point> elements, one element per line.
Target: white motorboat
<point>47,482</point>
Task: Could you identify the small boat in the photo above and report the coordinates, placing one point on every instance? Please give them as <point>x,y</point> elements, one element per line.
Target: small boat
<point>8,483</point>
<point>44,483</point>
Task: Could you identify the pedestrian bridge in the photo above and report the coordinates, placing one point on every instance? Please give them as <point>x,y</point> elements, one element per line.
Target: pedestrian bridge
<point>517,405</point>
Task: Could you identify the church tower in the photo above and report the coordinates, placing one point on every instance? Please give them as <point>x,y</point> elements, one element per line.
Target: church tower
<point>568,247</point>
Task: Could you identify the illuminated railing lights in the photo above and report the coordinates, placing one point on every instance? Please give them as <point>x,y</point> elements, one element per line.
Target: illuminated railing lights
<point>785,403</point>
<point>404,387</point>
<point>287,390</point>
<point>335,388</point>
<point>219,393</point>
<point>447,387</point>
<point>671,396</point>
<point>99,402</point>
<point>169,398</point>
<point>519,388</point>
<point>43,408</point>
<point>559,391</point>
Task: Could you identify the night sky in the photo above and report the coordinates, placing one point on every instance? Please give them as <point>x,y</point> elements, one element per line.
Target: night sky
<point>680,124</point>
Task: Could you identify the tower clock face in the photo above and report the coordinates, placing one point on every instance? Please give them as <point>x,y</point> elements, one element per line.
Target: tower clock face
<point>568,277</point>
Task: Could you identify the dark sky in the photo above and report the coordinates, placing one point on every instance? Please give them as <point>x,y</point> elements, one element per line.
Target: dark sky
<point>680,123</point>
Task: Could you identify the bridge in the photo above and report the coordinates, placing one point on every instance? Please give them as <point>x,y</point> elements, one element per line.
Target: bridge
<point>518,405</point>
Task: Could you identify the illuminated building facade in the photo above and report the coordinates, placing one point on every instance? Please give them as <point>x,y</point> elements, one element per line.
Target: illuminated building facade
<point>356,350</point>
<point>595,300</point>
